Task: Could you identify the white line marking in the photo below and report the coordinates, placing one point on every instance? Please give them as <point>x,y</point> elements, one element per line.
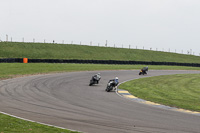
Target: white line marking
<point>38,122</point>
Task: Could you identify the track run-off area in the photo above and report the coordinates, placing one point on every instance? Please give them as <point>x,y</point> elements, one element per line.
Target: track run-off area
<point>66,100</point>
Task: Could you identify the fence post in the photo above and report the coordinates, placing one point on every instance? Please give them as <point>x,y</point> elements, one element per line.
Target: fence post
<point>6,38</point>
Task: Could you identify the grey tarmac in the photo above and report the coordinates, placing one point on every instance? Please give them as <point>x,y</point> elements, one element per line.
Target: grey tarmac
<point>66,100</point>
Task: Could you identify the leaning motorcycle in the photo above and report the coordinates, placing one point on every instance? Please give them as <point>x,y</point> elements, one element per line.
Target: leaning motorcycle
<point>94,80</point>
<point>110,86</point>
<point>142,72</point>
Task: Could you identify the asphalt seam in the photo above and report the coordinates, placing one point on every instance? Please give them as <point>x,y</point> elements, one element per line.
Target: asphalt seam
<point>127,95</point>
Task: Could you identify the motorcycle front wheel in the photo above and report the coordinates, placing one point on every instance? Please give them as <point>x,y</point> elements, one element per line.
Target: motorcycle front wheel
<point>91,83</point>
<point>108,89</point>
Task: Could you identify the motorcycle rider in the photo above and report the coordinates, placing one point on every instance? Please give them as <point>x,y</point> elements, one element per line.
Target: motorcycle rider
<point>145,69</point>
<point>115,83</point>
<point>97,77</point>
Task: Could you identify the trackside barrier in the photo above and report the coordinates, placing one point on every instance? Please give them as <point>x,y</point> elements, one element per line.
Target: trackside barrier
<point>11,60</point>
<point>21,60</point>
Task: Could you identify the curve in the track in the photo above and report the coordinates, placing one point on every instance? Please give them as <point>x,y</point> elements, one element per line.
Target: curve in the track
<point>126,94</point>
<point>66,100</point>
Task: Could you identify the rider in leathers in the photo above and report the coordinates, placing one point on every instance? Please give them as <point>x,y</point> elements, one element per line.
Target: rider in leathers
<point>145,69</point>
<point>115,83</point>
<point>97,77</point>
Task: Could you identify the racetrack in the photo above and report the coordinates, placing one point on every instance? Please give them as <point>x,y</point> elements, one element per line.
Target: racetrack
<point>66,100</point>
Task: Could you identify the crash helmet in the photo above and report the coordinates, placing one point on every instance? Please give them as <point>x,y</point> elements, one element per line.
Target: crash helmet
<point>116,78</point>
<point>98,73</point>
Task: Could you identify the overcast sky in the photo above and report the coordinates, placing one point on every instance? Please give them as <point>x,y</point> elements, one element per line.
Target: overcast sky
<point>161,24</point>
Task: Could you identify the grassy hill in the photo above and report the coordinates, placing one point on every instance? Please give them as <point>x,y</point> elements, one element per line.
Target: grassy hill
<point>68,51</point>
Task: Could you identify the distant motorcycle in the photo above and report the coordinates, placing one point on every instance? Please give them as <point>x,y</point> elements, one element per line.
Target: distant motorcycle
<point>143,71</point>
<point>94,80</point>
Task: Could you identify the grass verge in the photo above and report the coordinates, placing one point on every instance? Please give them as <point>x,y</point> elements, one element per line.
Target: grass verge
<point>181,90</point>
<point>10,70</point>
<point>10,124</point>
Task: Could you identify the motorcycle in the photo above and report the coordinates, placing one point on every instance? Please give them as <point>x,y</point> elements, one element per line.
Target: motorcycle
<point>110,86</point>
<point>94,80</point>
<point>142,72</point>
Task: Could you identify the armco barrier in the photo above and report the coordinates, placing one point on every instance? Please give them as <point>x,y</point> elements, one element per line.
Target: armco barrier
<point>11,60</point>
<point>20,60</point>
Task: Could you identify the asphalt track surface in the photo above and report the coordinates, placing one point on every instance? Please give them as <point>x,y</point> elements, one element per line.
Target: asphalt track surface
<point>66,100</point>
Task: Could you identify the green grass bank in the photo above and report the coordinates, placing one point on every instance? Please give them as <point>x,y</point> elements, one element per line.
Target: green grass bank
<point>68,51</point>
<point>181,90</point>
